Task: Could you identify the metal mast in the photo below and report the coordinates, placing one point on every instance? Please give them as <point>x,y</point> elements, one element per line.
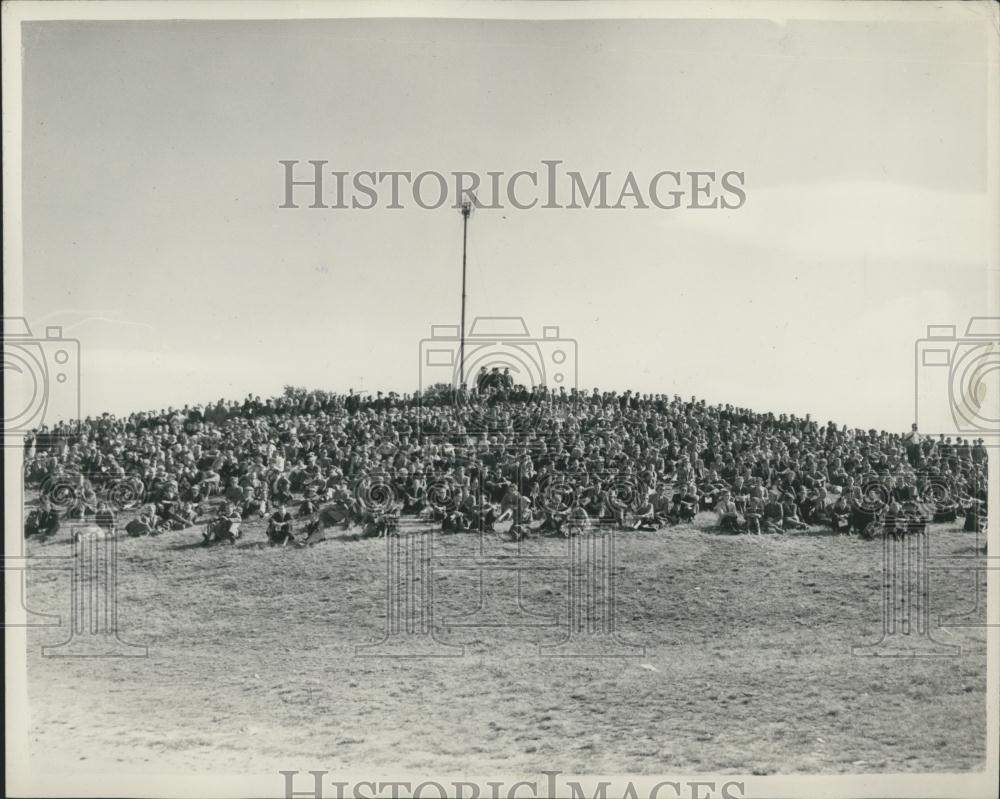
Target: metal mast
<point>466,210</point>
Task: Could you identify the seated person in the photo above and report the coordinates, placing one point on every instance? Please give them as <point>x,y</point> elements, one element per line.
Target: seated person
<point>254,503</point>
<point>508,503</point>
<point>105,517</point>
<point>685,506</point>
<point>415,496</point>
<point>612,506</point>
<point>975,515</point>
<point>282,491</point>
<point>740,493</point>
<point>86,501</point>
<point>662,505</point>
<point>312,475</point>
<point>324,488</point>
<point>838,477</point>
<point>774,514</point>
<point>840,515</point>
<point>145,524</point>
<point>209,482</point>
<point>130,488</point>
<point>440,499</point>
<point>916,517</point>
<point>381,522</point>
<point>175,513</point>
<point>895,520</point>
<point>820,511</point>
<point>729,517</point>
<point>754,514</point>
<point>518,508</point>
<point>183,516</point>
<point>346,504</point>
<point>577,520</point>
<point>168,503</point>
<point>378,516</point>
<point>233,491</point>
<point>310,527</point>
<point>310,502</point>
<point>332,515</point>
<point>645,516</point>
<point>481,512</point>
<point>554,521</point>
<point>279,527</point>
<point>453,521</point>
<point>710,491</point>
<point>904,490</point>
<point>790,513</point>
<point>298,476</point>
<point>864,511</point>
<point>224,527</point>
<point>158,485</point>
<point>946,509</point>
<point>805,505</point>
<point>43,520</point>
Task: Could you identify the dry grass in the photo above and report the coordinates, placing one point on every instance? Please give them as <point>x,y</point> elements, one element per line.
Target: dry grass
<point>748,665</point>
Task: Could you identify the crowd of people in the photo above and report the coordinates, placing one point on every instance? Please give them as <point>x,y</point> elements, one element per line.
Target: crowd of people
<point>540,460</point>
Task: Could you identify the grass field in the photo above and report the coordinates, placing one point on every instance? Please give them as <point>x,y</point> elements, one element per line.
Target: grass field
<point>747,667</point>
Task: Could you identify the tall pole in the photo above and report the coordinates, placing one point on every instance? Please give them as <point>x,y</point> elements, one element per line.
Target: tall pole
<point>466,209</point>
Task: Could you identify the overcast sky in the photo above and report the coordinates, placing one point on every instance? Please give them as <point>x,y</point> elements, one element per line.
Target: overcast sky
<point>152,230</point>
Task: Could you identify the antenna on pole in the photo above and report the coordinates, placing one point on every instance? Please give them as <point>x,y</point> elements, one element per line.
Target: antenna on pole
<point>466,211</point>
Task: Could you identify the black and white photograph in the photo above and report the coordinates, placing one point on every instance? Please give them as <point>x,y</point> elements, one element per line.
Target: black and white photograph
<point>501,400</point>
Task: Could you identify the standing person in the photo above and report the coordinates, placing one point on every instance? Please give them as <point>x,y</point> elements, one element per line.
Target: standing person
<point>913,441</point>
<point>482,380</point>
<point>507,380</point>
<point>353,402</point>
<point>495,380</point>
<point>978,452</point>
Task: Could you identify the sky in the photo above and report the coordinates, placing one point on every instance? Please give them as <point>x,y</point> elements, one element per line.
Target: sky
<point>152,231</point>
